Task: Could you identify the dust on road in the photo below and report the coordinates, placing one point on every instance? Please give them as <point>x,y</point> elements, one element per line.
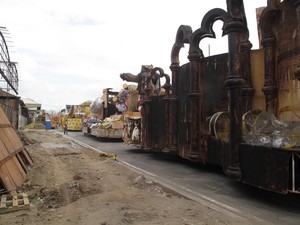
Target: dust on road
<point>71,184</point>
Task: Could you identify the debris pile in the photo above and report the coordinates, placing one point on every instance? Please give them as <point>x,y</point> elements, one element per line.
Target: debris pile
<point>35,125</point>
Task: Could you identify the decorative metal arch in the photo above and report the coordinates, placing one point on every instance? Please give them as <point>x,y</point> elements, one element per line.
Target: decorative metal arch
<point>268,42</point>
<point>266,19</point>
<point>157,73</point>
<point>183,36</point>
<point>206,29</point>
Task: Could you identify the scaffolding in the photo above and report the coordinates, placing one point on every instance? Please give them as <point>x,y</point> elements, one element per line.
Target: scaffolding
<point>9,81</point>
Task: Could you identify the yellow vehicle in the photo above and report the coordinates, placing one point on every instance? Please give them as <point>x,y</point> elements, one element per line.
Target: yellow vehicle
<point>73,118</point>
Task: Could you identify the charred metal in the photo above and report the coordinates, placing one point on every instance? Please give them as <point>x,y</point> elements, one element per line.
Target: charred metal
<point>203,114</point>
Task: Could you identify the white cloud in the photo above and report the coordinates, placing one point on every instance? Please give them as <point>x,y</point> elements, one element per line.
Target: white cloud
<point>68,51</point>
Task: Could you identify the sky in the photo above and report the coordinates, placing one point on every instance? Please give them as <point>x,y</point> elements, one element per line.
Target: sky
<point>68,51</point>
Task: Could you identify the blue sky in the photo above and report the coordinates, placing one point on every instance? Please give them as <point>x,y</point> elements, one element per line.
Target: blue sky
<point>69,51</point>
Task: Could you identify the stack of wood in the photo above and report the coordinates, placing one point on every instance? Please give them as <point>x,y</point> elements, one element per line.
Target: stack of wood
<point>15,161</point>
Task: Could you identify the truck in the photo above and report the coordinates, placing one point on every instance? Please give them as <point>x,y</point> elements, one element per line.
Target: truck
<point>72,118</point>
<point>103,109</point>
<point>106,117</point>
<point>239,110</point>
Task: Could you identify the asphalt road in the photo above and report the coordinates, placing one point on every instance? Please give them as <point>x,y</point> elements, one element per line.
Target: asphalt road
<point>207,185</point>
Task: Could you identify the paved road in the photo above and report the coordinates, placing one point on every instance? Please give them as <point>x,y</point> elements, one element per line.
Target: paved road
<point>206,185</point>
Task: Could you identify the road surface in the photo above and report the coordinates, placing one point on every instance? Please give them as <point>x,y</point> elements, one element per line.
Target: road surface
<point>207,185</point>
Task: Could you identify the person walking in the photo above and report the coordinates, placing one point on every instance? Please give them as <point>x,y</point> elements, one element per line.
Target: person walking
<point>65,128</point>
<point>57,126</point>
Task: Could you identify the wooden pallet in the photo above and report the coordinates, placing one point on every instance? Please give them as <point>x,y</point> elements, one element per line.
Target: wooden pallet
<point>16,202</point>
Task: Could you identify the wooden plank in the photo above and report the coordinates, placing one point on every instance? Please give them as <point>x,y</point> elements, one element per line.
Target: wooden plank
<point>18,176</point>
<point>6,179</point>
<point>6,141</point>
<point>19,167</point>
<point>15,202</point>
<point>3,202</point>
<point>28,157</point>
<point>12,171</point>
<point>26,200</point>
<point>13,137</point>
<point>23,164</point>
<point>3,151</point>
<point>11,174</point>
<point>18,170</point>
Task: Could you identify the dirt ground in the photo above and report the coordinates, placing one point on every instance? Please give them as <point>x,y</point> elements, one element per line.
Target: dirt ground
<point>71,184</point>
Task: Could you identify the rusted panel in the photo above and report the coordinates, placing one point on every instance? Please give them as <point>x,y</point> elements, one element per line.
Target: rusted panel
<point>183,36</point>
<point>184,121</point>
<point>215,97</point>
<point>215,151</point>
<point>215,93</point>
<point>227,82</point>
<point>287,60</point>
<point>257,68</point>
<point>265,167</point>
<point>157,124</point>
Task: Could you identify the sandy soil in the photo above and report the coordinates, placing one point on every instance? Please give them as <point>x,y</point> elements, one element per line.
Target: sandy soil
<point>71,184</point>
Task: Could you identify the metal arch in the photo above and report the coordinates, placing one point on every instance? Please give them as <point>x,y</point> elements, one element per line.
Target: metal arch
<point>161,74</point>
<point>157,73</point>
<point>6,48</point>
<point>206,29</point>
<point>267,17</point>
<point>183,36</point>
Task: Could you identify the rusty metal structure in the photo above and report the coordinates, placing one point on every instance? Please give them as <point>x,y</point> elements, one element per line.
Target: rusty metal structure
<point>202,115</point>
<point>9,80</point>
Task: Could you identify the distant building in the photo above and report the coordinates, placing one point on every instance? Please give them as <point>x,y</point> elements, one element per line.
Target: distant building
<point>34,110</point>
